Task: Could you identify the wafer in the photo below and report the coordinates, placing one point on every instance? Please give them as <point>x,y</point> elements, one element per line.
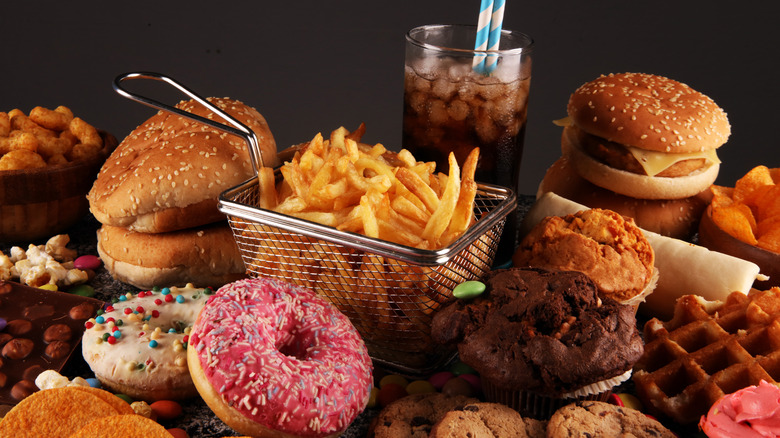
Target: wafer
<point>708,350</point>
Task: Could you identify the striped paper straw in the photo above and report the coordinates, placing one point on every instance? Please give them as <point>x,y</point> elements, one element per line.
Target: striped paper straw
<point>483,33</point>
<point>494,37</point>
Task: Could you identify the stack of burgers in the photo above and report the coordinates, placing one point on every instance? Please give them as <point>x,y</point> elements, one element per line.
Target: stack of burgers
<point>157,196</point>
<point>642,145</point>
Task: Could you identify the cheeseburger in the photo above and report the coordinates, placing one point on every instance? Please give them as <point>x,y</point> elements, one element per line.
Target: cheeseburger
<point>642,145</point>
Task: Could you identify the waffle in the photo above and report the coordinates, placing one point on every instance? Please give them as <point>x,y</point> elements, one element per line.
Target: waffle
<point>707,350</point>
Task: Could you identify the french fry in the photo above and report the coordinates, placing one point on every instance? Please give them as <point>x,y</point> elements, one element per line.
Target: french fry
<point>463,214</point>
<point>440,218</point>
<point>415,184</point>
<point>368,214</point>
<point>267,188</point>
<point>365,189</point>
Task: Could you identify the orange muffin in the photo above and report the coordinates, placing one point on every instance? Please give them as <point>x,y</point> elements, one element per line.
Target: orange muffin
<point>605,246</point>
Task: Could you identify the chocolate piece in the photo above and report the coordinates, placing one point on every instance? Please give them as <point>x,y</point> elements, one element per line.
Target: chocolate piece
<point>18,327</point>
<point>3,379</point>
<point>32,372</point>
<point>82,311</point>
<point>18,348</point>
<point>22,389</point>
<point>57,349</point>
<point>57,332</point>
<point>38,311</point>
<point>43,330</point>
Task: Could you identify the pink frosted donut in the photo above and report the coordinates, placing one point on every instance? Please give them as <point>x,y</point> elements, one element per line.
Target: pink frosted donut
<point>273,359</point>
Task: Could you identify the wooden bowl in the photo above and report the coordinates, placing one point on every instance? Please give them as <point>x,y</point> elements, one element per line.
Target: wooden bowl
<point>40,203</point>
<point>714,238</point>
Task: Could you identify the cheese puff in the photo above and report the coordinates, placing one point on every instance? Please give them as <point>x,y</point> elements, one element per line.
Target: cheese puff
<point>51,146</point>
<point>57,159</point>
<point>86,133</point>
<point>65,110</point>
<point>69,137</point>
<point>83,150</point>
<point>21,159</point>
<point>5,124</point>
<point>22,122</point>
<point>55,120</point>
<point>23,140</point>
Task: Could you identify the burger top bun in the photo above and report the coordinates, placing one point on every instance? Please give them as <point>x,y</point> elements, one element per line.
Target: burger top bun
<point>168,173</point>
<point>649,112</point>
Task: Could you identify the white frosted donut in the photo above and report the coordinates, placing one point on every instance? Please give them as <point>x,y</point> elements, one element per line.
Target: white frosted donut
<point>138,346</point>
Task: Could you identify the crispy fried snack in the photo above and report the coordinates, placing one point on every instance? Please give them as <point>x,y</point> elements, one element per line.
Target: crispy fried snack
<point>366,189</point>
<point>750,211</point>
<point>45,137</point>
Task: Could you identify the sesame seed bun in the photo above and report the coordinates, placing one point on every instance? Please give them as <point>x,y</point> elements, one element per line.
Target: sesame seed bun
<point>168,173</point>
<point>204,256</point>
<point>678,218</point>
<point>649,112</point>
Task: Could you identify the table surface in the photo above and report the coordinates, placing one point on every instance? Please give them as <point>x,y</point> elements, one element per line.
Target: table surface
<point>197,418</point>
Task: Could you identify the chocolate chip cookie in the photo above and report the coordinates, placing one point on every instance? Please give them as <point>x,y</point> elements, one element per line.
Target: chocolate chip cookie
<point>487,420</point>
<point>414,416</point>
<point>593,419</point>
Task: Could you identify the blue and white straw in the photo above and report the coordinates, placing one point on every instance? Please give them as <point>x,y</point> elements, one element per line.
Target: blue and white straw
<point>496,23</point>
<point>483,34</point>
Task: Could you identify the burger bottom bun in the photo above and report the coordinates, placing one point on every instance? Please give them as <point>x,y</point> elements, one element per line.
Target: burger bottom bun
<point>206,256</point>
<point>678,218</point>
<point>633,184</point>
<point>223,410</point>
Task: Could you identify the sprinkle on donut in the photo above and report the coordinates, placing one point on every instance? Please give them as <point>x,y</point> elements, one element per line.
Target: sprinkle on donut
<point>137,344</point>
<point>283,357</point>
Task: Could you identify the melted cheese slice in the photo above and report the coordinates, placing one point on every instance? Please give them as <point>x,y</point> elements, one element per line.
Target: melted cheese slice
<point>656,162</point>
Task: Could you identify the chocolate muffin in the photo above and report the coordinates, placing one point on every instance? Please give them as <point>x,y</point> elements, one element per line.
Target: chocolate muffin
<point>542,332</point>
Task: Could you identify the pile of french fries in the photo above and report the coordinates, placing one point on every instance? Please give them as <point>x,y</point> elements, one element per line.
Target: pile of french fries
<point>367,189</point>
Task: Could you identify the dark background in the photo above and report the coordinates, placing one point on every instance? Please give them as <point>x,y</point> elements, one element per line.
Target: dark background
<point>312,66</point>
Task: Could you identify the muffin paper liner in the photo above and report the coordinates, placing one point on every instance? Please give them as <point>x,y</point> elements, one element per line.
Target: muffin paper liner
<point>542,406</point>
<point>641,297</point>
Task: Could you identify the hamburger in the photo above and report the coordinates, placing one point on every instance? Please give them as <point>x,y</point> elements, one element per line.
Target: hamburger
<point>642,145</point>
<point>157,196</point>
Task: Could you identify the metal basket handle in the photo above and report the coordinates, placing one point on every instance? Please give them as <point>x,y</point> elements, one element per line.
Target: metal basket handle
<point>238,128</point>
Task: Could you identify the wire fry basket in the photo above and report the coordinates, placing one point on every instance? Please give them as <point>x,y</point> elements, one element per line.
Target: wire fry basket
<point>389,291</point>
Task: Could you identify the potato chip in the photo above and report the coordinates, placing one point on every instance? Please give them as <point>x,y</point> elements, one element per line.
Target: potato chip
<point>122,426</point>
<point>770,240</point>
<point>121,406</point>
<point>746,187</point>
<point>768,204</point>
<point>736,220</point>
<point>767,225</point>
<point>721,196</point>
<point>775,174</point>
<point>55,413</point>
